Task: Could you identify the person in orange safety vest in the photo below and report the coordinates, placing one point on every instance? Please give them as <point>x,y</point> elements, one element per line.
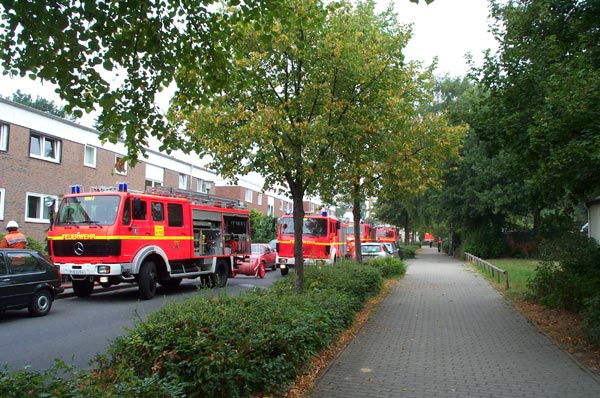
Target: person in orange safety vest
<point>13,239</point>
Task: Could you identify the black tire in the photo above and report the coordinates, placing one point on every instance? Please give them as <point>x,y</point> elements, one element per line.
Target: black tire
<point>284,271</point>
<point>147,280</point>
<point>274,267</point>
<point>171,283</point>
<point>219,278</point>
<point>40,303</point>
<point>83,288</point>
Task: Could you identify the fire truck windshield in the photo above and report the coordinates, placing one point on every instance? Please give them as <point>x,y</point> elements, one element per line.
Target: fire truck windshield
<point>311,227</point>
<point>101,210</point>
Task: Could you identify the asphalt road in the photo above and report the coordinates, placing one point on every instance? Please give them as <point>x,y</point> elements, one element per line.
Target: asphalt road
<point>77,329</point>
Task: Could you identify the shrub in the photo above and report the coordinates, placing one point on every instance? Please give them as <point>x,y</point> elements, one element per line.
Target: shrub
<point>409,251</point>
<point>591,320</point>
<point>255,344</point>
<point>389,267</point>
<point>569,273</point>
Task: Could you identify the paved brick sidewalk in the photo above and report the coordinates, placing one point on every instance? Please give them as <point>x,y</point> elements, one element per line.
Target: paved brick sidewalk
<point>443,331</point>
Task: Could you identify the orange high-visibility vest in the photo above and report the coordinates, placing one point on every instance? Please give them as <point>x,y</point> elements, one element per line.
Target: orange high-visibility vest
<point>14,240</point>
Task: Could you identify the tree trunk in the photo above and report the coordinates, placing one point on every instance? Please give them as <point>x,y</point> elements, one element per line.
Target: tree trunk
<point>298,255</point>
<point>357,227</point>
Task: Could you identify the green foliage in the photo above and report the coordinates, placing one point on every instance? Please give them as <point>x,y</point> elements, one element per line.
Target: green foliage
<point>255,344</point>
<point>484,244</point>
<point>389,267</point>
<point>569,274</point>
<point>591,321</point>
<point>409,251</point>
<point>263,227</point>
<point>41,104</point>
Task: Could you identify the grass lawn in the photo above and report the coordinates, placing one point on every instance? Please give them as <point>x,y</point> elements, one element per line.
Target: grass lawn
<point>519,272</point>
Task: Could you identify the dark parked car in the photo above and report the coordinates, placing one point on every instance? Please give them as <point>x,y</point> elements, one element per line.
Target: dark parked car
<point>28,280</point>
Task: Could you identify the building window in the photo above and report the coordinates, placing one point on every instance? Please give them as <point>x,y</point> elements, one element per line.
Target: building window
<point>270,211</point>
<point>3,137</point>
<point>89,156</point>
<point>259,199</point>
<point>2,196</point>
<point>249,195</point>
<point>43,147</point>
<point>183,181</point>
<point>120,165</point>
<point>36,210</point>
<point>312,207</point>
<point>288,207</point>
<point>281,204</point>
<point>152,183</point>
<point>204,186</point>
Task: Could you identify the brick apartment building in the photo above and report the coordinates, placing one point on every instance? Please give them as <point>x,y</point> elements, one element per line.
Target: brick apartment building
<point>42,155</point>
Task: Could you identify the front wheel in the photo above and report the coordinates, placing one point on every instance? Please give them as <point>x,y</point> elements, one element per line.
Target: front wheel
<point>83,288</point>
<point>147,281</point>
<point>284,271</point>
<point>40,303</point>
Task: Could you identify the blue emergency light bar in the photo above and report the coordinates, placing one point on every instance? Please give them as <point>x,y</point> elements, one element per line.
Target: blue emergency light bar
<point>122,187</point>
<point>75,188</point>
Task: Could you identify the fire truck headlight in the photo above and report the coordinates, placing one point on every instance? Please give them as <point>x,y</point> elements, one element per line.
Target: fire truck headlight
<point>104,269</point>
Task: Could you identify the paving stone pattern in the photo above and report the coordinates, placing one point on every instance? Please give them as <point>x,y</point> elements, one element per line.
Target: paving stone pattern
<point>443,331</point>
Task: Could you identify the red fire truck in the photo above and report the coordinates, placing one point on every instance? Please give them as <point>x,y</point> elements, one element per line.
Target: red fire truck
<point>367,234</point>
<point>386,234</point>
<point>323,241</point>
<point>109,236</point>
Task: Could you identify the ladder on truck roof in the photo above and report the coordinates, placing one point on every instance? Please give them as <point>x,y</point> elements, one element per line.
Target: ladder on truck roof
<point>196,197</point>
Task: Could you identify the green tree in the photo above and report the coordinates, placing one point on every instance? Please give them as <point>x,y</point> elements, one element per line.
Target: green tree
<point>544,96</point>
<point>262,226</point>
<point>41,104</point>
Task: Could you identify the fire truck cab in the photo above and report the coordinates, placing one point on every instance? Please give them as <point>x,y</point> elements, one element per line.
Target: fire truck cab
<point>323,241</point>
<point>109,236</point>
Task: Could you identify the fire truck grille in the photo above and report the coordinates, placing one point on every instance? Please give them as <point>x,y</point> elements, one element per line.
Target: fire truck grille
<point>87,248</point>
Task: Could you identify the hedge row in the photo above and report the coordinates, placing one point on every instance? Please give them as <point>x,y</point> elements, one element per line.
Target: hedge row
<point>256,344</point>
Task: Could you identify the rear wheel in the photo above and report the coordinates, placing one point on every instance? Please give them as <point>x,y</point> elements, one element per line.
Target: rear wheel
<point>219,278</point>
<point>147,280</point>
<point>274,267</point>
<point>83,288</point>
<point>40,303</point>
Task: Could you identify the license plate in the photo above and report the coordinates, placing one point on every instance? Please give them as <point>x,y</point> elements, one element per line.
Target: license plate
<point>282,266</point>
<point>77,272</point>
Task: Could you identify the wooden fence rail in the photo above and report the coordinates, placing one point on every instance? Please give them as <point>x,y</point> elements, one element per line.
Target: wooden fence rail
<point>491,268</point>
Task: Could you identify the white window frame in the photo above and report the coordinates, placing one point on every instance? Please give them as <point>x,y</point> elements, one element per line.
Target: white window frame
<point>280,204</point>
<point>93,151</point>
<point>249,195</point>
<point>288,207</point>
<point>183,181</point>
<point>152,183</point>
<point>259,198</point>
<point>42,209</point>
<point>2,200</point>
<point>43,140</point>
<point>4,137</point>
<point>125,166</point>
<point>270,211</point>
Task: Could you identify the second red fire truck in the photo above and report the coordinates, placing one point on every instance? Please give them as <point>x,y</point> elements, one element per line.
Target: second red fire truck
<point>323,240</point>
<point>109,236</point>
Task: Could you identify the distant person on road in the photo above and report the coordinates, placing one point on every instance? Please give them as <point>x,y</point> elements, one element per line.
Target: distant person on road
<point>439,244</point>
<point>13,239</point>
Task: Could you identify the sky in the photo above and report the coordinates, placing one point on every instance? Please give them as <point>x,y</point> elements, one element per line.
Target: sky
<point>448,29</point>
